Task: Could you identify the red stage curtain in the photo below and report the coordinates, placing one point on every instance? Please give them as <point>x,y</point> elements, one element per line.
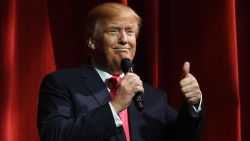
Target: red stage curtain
<point>39,36</point>
<point>26,54</point>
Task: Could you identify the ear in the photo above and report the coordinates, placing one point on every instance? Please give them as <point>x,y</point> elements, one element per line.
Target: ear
<point>91,43</point>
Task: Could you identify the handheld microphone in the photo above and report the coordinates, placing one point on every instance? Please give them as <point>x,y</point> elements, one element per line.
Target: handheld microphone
<point>127,66</point>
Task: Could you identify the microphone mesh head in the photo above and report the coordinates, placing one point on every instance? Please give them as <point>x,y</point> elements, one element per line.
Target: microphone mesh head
<point>126,65</point>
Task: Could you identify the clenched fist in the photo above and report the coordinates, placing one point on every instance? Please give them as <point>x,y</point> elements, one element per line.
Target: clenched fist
<point>128,86</point>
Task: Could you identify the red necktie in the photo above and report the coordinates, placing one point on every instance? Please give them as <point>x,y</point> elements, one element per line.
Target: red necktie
<point>123,114</point>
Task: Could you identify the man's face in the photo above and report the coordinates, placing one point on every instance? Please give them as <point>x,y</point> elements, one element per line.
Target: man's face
<point>115,40</point>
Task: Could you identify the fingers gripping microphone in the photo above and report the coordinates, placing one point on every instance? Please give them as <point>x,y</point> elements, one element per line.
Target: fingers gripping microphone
<point>127,66</point>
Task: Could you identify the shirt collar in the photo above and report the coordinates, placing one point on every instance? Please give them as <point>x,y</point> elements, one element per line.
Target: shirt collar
<point>104,75</point>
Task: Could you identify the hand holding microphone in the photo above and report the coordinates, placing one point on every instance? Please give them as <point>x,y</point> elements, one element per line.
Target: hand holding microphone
<point>130,88</point>
<point>127,66</point>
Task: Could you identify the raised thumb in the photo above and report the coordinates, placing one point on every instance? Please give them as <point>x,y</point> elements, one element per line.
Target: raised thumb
<point>186,69</point>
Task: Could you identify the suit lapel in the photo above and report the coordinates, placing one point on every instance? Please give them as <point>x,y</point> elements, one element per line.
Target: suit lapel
<point>99,91</point>
<point>95,85</point>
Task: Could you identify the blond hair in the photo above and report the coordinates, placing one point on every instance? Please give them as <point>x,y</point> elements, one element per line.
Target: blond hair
<point>106,11</point>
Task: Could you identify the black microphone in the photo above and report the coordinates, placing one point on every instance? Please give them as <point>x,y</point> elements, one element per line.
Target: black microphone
<point>127,66</point>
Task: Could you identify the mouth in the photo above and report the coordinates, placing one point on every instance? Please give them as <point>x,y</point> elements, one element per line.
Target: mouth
<point>122,49</point>
<point>122,52</point>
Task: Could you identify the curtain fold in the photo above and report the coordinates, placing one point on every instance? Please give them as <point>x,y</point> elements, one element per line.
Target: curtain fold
<point>26,56</point>
<point>40,36</point>
<point>235,66</point>
<point>243,33</point>
<point>8,24</point>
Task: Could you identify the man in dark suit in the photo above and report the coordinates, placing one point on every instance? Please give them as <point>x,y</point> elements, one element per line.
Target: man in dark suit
<point>77,105</point>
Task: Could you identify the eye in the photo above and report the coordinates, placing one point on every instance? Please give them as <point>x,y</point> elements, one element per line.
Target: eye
<point>130,32</point>
<point>113,31</point>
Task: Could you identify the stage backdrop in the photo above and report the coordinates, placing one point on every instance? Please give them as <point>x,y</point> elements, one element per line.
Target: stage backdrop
<point>39,36</point>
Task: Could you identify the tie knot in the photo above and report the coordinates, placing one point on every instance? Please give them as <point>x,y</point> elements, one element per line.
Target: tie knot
<point>113,84</point>
<point>114,80</point>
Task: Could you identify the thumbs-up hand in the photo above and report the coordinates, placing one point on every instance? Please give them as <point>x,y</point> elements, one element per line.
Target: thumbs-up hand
<point>189,86</point>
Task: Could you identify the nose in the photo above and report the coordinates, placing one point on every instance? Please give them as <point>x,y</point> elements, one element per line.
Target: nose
<point>123,37</point>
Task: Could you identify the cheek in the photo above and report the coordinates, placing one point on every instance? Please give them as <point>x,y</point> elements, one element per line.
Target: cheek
<point>132,41</point>
<point>109,52</point>
<point>109,40</point>
<point>107,44</point>
<point>133,53</point>
<point>133,50</point>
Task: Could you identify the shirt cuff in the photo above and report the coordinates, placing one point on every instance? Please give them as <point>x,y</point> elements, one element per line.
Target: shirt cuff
<point>118,121</point>
<point>194,111</point>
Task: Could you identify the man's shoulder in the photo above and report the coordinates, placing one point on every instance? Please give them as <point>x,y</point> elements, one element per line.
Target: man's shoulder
<point>65,72</point>
<point>69,73</point>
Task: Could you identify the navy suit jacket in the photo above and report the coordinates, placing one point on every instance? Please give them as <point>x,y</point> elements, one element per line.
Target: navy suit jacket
<point>73,106</point>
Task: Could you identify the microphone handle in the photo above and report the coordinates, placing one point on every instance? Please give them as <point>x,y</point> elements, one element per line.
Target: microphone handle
<point>137,98</point>
<point>138,101</point>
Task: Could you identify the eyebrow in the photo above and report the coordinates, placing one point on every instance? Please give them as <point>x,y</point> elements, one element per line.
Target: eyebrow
<point>118,26</point>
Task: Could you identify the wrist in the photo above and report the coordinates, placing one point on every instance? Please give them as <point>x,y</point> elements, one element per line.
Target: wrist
<point>116,106</point>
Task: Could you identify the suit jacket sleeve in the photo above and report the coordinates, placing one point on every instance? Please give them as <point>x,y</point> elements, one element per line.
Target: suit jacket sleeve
<point>184,126</point>
<point>161,122</point>
<point>57,120</point>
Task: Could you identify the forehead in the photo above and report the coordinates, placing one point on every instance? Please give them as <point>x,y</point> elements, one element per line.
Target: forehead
<point>120,21</point>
